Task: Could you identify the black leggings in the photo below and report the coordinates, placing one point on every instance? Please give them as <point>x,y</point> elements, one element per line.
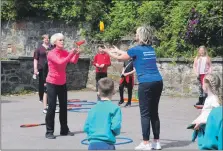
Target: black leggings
<point>149,95</point>
<point>99,75</point>
<point>41,84</point>
<point>52,92</point>
<point>129,87</point>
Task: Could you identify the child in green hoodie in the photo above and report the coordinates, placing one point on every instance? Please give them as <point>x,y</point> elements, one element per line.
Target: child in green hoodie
<point>104,120</point>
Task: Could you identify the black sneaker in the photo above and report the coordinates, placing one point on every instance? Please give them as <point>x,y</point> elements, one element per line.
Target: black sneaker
<point>120,102</point>
<point>50,136</point>
<point>67,134</point>
<point>127,105</point>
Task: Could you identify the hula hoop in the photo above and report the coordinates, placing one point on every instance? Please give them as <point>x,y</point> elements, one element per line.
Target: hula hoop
<point>79,109</point>
<point>128,140</point>
<point>133,100</point>
<point>82,103</point>
<point>76,100</point>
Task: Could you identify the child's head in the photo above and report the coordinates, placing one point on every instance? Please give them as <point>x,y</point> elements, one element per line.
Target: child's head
<point>45,38</point>
<point>202,51</point>
<point>212,83</point>
<point>100,49</point>
<point>105,87</point>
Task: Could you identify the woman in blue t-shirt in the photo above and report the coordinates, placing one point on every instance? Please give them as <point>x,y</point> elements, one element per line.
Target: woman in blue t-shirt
<point>150,84</point>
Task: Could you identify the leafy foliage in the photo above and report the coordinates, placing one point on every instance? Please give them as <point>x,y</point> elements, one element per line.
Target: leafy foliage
<point>181,26</point>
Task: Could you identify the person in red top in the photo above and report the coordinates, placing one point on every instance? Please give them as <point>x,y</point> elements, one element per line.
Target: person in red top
<point>101,62</point>
<point>58,58</point>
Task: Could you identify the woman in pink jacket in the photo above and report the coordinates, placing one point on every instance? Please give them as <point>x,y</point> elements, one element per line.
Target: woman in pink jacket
<point>58,58</point>
<point>202,66</point>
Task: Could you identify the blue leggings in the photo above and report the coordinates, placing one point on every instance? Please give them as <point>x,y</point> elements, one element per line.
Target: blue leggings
<point>101,146</point>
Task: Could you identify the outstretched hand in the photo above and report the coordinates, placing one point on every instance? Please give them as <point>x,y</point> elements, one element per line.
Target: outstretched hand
<point>76,50</point>
<point>110,50</point>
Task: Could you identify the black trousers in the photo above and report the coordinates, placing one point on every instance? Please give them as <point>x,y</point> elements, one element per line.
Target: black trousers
<point>99,75</point>
<point>41,84</point>
<point>52,92</point>
<point>149,95</point>
<point>129,87</point>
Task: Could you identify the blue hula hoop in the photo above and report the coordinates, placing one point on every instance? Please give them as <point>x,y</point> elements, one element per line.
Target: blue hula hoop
<point>77,101</point>
<point>128,140</point>
<point>79,109</point>
<point>82,103</point>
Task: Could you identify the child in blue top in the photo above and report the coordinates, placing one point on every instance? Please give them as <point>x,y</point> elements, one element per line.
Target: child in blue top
<point>209,124</point>
<point>212,139</point>
<point>104,120</point>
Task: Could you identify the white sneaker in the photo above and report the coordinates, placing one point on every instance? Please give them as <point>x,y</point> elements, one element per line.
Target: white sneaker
<point>143,146</point>
<point>156,145</point>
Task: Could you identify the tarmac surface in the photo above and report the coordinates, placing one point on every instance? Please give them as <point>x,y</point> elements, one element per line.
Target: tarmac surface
<point>175,115</point>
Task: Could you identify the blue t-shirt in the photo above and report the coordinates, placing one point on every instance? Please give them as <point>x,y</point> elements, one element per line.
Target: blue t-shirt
<point>144,61</point>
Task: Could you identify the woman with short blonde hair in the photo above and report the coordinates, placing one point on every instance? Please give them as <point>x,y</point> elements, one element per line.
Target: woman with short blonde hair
<point>150,83</point>
<point>58,58</point>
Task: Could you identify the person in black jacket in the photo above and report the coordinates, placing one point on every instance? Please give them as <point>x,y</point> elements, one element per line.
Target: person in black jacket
<point>127,80</point>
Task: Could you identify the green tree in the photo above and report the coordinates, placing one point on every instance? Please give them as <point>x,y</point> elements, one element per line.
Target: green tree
<point>120,21</point>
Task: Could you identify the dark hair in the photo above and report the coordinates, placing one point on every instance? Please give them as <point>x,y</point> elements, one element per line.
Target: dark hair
<point>105,87</point>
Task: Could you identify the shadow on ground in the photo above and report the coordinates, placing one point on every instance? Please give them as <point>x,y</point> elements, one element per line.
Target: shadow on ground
<point>7,101</point>
<point>175,143</point>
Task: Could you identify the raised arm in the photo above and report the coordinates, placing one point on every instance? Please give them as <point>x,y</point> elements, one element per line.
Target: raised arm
<point>55,59</point>
<point>75,58</point>
<point>117,53</point>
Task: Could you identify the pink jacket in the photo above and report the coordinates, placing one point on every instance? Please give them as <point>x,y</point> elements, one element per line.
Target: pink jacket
<point>208,68</point>
<point>57,62</point>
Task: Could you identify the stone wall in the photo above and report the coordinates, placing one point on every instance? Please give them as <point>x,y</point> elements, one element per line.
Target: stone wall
<point>178,76</point>
<point>21,38</point>
<point>16,75</point>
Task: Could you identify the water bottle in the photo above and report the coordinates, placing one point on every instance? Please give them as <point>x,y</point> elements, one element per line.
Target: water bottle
<point>34,75</point>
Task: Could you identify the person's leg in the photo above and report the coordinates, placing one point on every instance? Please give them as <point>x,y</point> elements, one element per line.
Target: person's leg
<point>200,101</point>
<point>129,87</point>
<point>41,85</point>
<point>97,77</point>
<point>104,75</point>
<point>62,96</point>
<point>145,99</point>
<point>50,116</point>
<point>204,95</point>
<point>155,121</point>
<point>121,93</point>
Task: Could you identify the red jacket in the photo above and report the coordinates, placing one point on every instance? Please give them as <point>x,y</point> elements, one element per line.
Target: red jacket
<point>102,59</point>
<point>57,62</point>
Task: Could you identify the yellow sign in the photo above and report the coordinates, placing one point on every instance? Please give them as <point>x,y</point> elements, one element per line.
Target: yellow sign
<point>102,26</point>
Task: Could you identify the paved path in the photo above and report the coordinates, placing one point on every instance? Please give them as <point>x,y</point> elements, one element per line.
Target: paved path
<point>175,115</point>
